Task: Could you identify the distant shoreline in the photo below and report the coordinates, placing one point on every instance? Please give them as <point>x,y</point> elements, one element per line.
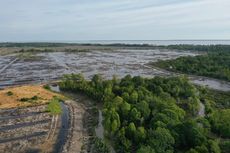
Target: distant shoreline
<point>126,42</point>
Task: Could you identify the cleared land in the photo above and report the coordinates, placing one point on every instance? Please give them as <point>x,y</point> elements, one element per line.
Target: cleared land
<point>26,126</point>
<point>22,96</point>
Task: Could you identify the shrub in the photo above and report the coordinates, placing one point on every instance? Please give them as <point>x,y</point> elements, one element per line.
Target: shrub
<point>9,93</point>
<point>24,99</point>
<point>47,87</point>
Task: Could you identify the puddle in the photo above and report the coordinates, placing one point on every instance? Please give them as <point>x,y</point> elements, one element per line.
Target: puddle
<point>100,129</point>
<point>201,111</point>
<point>54,87</point>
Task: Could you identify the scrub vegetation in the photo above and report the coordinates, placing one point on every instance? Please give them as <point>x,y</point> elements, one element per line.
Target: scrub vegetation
<point>9,93</point>
<point>156,115</point>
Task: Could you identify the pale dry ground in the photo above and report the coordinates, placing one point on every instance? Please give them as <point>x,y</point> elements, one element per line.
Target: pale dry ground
<point>27,91</point>
<point>77,132</point>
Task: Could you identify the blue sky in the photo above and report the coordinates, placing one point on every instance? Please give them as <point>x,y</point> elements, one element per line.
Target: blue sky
<point>67,20</point>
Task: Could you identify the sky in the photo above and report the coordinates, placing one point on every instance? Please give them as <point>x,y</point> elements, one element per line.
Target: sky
<point>70,20</point>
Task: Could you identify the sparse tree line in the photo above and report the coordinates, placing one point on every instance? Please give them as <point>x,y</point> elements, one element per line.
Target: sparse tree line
<point>156,115</point>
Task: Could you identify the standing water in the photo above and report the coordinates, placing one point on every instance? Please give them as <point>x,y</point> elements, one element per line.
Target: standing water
<point>100,131</point>
<point>63,133</point>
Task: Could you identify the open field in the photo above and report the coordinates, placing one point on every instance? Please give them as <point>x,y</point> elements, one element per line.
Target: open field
<point>23,96</point>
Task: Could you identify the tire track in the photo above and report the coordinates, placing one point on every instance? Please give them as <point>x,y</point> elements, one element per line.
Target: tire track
<point>35,134</point>
<point>8,65</point>
<point>51,127</point>
<point>20,125</point>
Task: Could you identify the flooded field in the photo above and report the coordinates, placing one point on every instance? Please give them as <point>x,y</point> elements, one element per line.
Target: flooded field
<point>51,66</point>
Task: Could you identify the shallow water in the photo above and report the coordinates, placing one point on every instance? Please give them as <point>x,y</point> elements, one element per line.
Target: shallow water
<point>201,111</point>
<point>99,130</point>
<point>54,87</point>
<point>212,83</point>
<point>63,133</point>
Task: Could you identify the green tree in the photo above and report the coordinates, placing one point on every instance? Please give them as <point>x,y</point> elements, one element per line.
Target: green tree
<point>133,97</point>
<point>190,134</point>
<point>213,146</point>
<point>125,109</point>
<point>143,107</point>
<point>220,121</point>
<point>145,149</point>
<point>140,135</point>
<point>135,115</point>
<point>131,130</point>
<point>161,140</point>
<point>123,144</point>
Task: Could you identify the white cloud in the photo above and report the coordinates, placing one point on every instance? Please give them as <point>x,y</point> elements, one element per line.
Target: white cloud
<point>114,19</point>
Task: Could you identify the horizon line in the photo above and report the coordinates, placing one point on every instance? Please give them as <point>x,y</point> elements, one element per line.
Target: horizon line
<point>75,41</point>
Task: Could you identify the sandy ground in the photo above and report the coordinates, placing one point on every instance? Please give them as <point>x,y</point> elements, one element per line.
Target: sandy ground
<point>11,101</point>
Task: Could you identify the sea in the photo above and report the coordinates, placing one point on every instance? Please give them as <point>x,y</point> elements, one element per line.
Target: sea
<point>154,42</point>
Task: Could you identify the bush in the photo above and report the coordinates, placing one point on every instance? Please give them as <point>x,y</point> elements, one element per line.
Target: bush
<point>9,93</point>
<point>24,99</point>
<point>31,100</point>
<point>47,87</point>
<point>34,98</point>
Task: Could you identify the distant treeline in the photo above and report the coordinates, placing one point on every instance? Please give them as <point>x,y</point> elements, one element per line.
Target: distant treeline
<point>206,48</point>
<point>35,44</point>
<point>213,64</point>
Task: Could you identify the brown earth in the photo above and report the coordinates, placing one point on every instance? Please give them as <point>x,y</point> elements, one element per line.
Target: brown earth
<point>28,91</point>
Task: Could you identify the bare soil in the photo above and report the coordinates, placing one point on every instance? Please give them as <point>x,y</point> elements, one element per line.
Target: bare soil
<point>11,101</point>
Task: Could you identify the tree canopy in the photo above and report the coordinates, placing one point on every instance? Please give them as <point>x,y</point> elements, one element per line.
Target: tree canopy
<point>152,115</point>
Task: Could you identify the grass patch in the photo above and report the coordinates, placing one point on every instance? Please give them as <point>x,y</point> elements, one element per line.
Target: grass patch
<point>54,107</point>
